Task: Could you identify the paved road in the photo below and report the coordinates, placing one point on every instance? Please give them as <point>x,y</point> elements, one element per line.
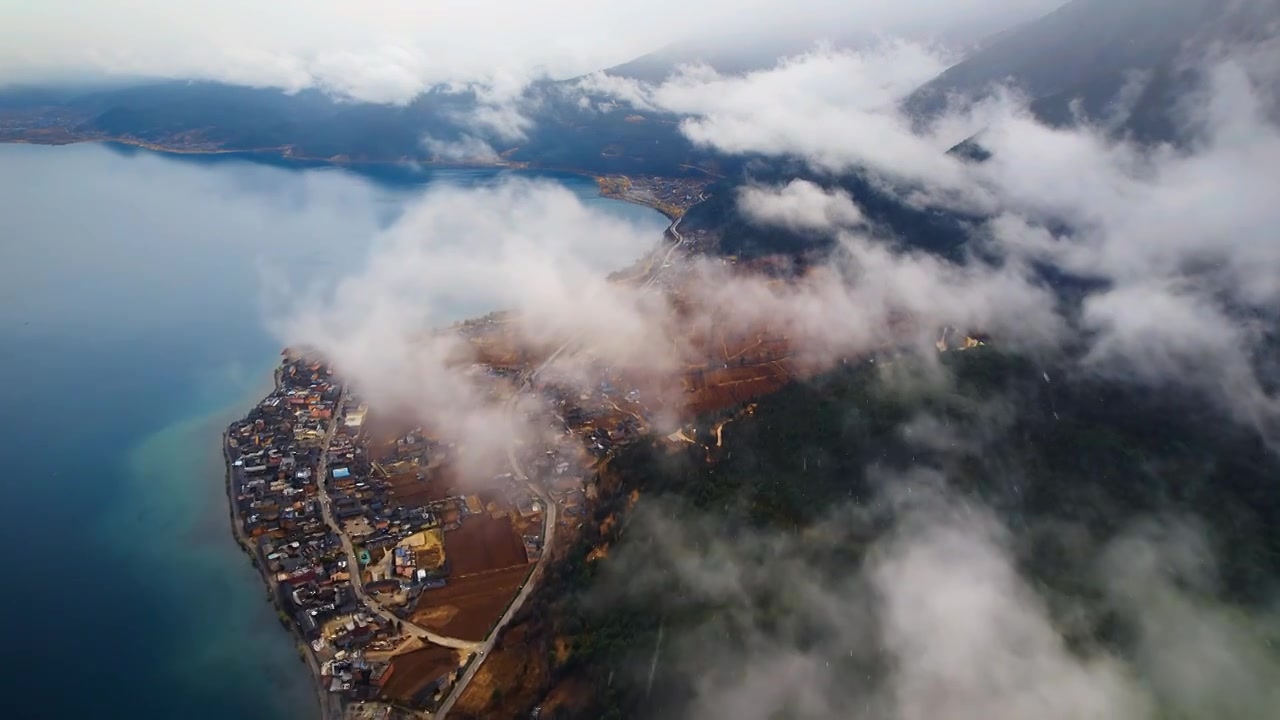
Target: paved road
<point>549,515</point>
<point>353,561</point>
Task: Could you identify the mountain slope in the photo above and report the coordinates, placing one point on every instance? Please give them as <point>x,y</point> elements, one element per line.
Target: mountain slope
<point>1107,57</point>
<point>205,116</point>
<point>1071,467</point>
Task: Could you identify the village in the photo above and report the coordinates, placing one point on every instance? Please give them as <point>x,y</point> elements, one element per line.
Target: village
<point>391,567</point>
<point>394,567</point>
<point>671,196</point>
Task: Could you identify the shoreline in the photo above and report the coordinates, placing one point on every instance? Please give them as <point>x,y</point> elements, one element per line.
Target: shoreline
<point>326,705</point>
<point>673,219</point>
<point>283,154</point>
<point>332,707</point>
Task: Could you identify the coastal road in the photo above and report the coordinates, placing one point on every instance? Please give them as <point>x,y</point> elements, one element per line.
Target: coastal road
<point>353,560</point>
<point>549,516</point>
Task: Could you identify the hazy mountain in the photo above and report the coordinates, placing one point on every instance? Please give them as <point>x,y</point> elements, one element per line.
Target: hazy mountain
<point>1121,61</point>
<point>313,124</point>
<point>1090,54</point>
<point>734,52</point>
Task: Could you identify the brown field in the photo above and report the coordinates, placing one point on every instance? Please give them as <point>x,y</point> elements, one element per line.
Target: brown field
<point>495,351</point>
<point>412,671</point>
<point>482,544</point>
<point>407,490</point>
<point>725,366</point>
<point>476,602</point>
<point>500,346</point>
<point>733,386</point>
<point>381,430</point>
<point>442,481</point>
<point>437,615</point>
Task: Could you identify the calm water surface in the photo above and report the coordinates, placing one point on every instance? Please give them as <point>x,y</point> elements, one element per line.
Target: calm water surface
<point>131,331</point>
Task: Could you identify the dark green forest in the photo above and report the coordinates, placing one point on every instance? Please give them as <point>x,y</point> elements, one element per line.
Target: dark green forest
<point>1065,457</point>
<point>892,219</point>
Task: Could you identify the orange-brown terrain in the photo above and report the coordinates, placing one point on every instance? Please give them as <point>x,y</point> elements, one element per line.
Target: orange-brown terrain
<point>468,606</point>
<point>411,672</point>
<point>487,565</point>
<point>724,362</point>
<point>414,488</point>
<point>509,681</point>
<point>482,543</point>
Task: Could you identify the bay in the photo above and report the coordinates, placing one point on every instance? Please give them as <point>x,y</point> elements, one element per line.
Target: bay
<point>131,332</point>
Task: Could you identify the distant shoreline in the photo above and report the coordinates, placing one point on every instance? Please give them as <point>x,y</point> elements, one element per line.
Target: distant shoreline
<point>283,154</point>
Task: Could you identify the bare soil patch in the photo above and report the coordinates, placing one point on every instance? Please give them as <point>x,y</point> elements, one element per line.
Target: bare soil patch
<point>483,543</point>
<point>411,671</point>
<point>476,602</point>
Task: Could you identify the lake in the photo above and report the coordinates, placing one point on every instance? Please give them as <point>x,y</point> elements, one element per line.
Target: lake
<point>132,330</point>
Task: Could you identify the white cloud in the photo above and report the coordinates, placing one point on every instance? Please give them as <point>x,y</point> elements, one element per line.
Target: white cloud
<point>1142,220</point>
<point>390,50</point>
<point>1177,242</point>
<point>833,108</point>
<point>467,148</point>
<point>536,249</point>
<point>800,205</point>
<point>615,88</point>
<point>529,246</point>
<point>935,619</point>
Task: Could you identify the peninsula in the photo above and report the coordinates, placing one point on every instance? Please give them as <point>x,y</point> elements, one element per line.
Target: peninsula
<point>395,572</point>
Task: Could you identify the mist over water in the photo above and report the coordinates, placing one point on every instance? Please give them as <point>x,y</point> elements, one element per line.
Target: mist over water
<point>135,294</point>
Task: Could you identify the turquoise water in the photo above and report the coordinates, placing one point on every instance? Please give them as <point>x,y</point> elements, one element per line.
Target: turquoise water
<point>131,331</point>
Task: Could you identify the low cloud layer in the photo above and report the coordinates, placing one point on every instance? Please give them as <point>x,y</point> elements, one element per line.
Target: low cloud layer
<point>392,50</point>
<point>467,148</point>
<point>935,620</point>
<point>1169,249</point>
<point>833,108</point>
<point>459,253</point>
<point>1175,244</point>
<point>534,248</point>
<point>1171,282</point>
<point>800,205</point>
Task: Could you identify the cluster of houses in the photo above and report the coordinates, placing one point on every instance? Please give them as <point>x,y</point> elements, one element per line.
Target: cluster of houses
<point>308,440</point>
<point>593,414</point>
<point>368,484</point>
<point>361,487</point>
<point>672,196</point>
<point>350,673</point>
<point>275,454</point>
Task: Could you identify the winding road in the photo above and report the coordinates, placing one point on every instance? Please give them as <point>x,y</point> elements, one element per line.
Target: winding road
<point>551,510</point>
<point>353,560</point>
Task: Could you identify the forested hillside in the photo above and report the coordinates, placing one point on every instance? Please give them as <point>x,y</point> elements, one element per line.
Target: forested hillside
<point>1067,464</point>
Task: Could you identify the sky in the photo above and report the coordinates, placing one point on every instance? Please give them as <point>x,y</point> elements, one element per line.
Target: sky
<point>391,50</point>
